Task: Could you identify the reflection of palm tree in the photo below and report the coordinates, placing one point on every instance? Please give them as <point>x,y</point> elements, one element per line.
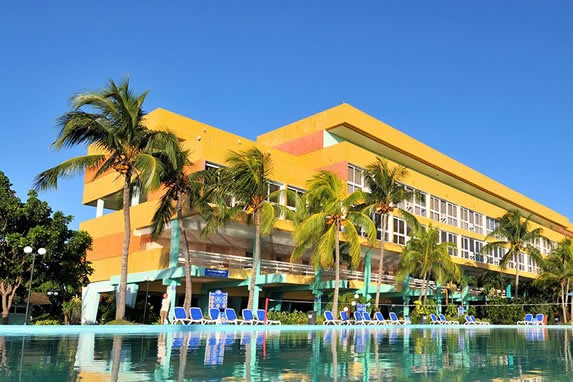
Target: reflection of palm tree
<point>116,357</point>
<point>183,358</point>
<point>334,351</point>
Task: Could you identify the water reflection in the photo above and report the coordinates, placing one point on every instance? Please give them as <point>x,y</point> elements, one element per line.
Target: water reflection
<point>340,354</point>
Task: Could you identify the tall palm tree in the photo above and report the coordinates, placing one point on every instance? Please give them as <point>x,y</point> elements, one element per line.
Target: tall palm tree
<point>331,217</point>
<point>514,236</point>
<point>386,192</point>
<point>182,189</point>
<point>114,127</point>
<point>245,182</point>
<point>425,255</point>
<point>558,269</point>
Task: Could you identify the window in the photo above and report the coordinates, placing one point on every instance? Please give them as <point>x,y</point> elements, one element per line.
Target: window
<point>444,211</point>
<point>494,255</point>
<point>471,220</point>
<point>452,238</point>
<point>355,178</point>
<point>471,249</point>
<point>417,205</point>
<point>273,187</point>
<point>490,225</point>
<point>290,201</point>
<point>543,245</point>
<point>401,231</point>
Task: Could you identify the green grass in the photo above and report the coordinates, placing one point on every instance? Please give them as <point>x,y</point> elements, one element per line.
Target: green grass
<point>120,322</point>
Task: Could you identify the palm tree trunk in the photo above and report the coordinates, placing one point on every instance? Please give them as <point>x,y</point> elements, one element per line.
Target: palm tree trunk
<point>517,276</point>
<point>336,270</point>
<point>563,301</point>
<point>567,299</point>
<point>423,287</point>
<point>256,259</point>
<point>185,244</point>
<point>383,222</point>
<point>120,306</point>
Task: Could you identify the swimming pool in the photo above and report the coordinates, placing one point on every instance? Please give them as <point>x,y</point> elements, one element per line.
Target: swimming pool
<point>313,353</point>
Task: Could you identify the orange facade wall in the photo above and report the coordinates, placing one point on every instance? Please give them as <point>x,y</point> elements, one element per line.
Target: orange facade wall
<point>303,145</point>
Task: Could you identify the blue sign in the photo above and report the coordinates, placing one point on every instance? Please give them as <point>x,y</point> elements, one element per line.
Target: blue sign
<point>218,299</point>
<point>223,273</point>
<point>360,307</point>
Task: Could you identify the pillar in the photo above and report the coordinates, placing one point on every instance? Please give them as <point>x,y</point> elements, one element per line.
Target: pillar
<point>406,302</point>
<point>100,204</point>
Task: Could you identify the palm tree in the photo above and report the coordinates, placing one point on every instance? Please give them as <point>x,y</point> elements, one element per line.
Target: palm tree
<point>182,189</point>
<point>558,269</point>
<point>513,235</point>
<point>385,193</point>
<point>246,183</point>
<point>331,216</point>
<point>426,256</point>
<point>115,129</point>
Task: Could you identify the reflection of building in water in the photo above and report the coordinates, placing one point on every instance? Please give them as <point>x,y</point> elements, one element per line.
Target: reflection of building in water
<point>215,348</point>
<point>161,348</point>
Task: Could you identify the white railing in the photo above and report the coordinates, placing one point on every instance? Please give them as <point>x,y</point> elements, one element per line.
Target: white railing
<point>223,261</point>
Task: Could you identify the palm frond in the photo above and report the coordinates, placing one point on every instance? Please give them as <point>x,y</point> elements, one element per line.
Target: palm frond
<point>49,178</point>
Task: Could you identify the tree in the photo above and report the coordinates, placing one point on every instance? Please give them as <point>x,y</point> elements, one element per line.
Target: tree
<point>33,223</point>
<point>182,189</point>
<point>115,129</point>
<point>558,269</point>
<point>242,189</point>
<point>426,256</point>
<point>512,234</point>
<point>386,192</point>
<point>331,217</point>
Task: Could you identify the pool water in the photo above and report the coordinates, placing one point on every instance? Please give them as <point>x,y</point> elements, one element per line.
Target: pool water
<point>339,354</point>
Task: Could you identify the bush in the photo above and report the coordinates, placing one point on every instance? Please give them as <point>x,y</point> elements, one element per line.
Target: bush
<point>422,310</point>
<point>286,318</point>
<point>72,310</point>
<point>120,322</point>
<point>47,322</point>
<point>498,311</point>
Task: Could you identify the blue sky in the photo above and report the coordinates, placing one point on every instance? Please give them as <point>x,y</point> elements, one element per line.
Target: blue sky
<point>488,83</point>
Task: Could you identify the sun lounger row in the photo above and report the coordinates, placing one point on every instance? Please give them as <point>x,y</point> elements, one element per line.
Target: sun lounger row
<point>362,318</point>
<point>471,320</point>
<point>530,320</point>
<point>216,317</point>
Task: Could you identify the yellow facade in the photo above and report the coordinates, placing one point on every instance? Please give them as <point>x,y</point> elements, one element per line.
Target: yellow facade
<point>334,139</point>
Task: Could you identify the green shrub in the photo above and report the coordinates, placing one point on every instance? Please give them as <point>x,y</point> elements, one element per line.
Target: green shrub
<point>120,322</point>
<point>47,322</point>
<point>422,310</point>
<point>286,318</point>
<point>499,311</point>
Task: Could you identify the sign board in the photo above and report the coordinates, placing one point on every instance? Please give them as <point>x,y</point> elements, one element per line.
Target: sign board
<point>222,273</point>
<point>361,307</point>
<point>218,299</point>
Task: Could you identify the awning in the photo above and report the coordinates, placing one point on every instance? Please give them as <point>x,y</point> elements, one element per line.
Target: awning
<point>37,298</point>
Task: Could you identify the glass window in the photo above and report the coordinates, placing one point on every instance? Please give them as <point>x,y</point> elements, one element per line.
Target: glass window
<point>417,205</point>
<point>471,249</point>
<point>401,231</point>
<point>452,238</point>
<point>444,211</point>
<point>490,225</point>
<point>355,178</point>
<point>471,220</point>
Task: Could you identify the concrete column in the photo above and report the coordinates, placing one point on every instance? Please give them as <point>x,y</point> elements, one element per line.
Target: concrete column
<point>100,204</point>
<point>406,302</point>
<point>135,195</point>
<point>367,274</point>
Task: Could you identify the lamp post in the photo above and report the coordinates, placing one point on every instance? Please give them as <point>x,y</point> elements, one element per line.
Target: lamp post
<point>28,250</point>
<point>51,293</point>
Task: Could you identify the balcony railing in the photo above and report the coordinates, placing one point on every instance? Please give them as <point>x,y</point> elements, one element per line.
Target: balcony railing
<point>223,261</point>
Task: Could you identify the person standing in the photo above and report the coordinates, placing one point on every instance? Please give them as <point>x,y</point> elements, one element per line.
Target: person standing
<point>165,306</point>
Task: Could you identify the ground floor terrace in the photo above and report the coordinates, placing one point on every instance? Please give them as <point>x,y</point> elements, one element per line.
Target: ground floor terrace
<point>224,263</point>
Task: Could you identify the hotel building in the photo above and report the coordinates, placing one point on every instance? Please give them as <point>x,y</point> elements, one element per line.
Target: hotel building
<point>461,202</point>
